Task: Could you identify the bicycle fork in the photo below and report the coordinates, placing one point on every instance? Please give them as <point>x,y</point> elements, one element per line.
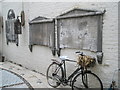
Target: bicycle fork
<point>84,77</point>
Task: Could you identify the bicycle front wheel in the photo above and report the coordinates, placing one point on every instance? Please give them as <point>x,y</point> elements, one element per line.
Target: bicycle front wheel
<point>88,80</point>
<point>54,75</point>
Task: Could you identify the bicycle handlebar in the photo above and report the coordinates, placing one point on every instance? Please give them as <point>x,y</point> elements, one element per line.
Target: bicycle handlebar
<point>80,53</point>
<point>77,52</point>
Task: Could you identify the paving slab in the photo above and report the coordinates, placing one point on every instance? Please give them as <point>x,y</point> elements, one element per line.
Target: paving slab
<point>19,86</point>
<point>36,80</point>
<point>9,79</point>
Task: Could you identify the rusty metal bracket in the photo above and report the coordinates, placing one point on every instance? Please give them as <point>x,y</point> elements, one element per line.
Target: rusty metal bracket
<point>58,51</point>
<point>7,42</point>
<point>30,47</point>
<point>17,43</point>
<point>99,57</point>
<point>53,51</point>
<point>22,18</point>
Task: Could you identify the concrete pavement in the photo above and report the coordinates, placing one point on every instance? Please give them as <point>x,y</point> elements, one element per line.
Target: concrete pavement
<point>36,80</point>
<point>29,78</point>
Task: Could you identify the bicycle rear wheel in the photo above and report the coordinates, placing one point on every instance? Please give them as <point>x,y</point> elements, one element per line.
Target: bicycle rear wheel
<point>54,74</point>
<point>88,80</point>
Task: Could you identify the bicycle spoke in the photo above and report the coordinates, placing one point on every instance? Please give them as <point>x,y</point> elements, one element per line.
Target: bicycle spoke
<point>87,81</point>
<point>54,73</point>
<point>77,83</point>
<point>92,81</point>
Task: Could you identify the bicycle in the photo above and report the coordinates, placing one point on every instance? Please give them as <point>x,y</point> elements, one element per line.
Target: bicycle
<point>113,85</point>
<point>80,78</point>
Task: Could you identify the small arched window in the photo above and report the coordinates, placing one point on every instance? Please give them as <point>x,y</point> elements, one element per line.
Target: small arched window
<point>11,14</point>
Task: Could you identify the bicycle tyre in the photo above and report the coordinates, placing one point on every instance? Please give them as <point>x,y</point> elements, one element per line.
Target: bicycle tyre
<point>92,82</point>
<point>52,81</point>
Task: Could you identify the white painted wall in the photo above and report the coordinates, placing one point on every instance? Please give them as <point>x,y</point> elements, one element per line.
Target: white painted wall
<point>0,30</point>
<point>39,59</point>
<point>119,42</point>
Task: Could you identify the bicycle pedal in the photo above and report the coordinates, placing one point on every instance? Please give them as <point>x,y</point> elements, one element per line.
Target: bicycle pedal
<point>58,83</point>
<point>64,84</point>
<point>57,78</point>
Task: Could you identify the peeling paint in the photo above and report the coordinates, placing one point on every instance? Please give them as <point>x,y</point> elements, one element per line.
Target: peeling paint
<point>80,33</point>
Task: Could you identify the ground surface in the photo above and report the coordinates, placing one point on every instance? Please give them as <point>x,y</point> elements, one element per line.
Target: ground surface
<point>14,76</point>
<point>11,80</point>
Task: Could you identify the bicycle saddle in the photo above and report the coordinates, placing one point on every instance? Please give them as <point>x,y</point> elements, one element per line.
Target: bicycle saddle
<point>64,57</point>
